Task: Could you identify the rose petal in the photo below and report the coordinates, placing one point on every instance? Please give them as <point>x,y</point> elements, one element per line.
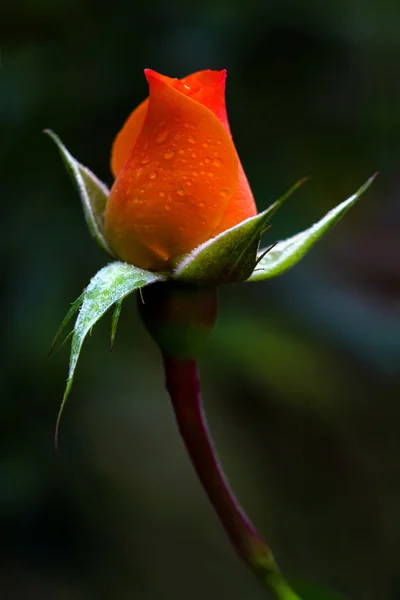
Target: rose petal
<point>173,190</point>
<point>127,136</point>
<point>242,205</point>
<point>206,87</point>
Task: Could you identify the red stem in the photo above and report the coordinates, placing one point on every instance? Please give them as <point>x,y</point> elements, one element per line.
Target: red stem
<point>183,386</point>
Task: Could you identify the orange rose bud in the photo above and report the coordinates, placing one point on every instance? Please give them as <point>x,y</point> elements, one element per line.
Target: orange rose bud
<point>179,180</point>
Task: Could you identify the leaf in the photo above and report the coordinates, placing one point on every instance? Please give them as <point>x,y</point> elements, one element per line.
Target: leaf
<point>232,255</point>
<point>92,191</point>
<point>109,286</point>
<point>287,253</point>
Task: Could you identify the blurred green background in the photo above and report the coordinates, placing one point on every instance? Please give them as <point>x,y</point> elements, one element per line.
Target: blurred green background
<point>302,377</point>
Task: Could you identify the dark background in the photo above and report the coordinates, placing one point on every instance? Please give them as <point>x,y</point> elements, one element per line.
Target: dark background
<point>302,376</point>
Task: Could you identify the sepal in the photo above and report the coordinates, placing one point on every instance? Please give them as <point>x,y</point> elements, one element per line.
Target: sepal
<point>309,591</point>
<point>286,253</point>
<point>93,193</point>
<point>232,255</point>
<point>109,286</point>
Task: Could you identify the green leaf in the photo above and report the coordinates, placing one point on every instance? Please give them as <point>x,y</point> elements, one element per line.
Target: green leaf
<point>92,191</point>
<point>232,255</point>
<point>287,253</point>
<point>109,286</point>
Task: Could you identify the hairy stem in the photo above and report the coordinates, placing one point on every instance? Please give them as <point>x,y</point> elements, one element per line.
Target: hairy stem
<point>183,386</point>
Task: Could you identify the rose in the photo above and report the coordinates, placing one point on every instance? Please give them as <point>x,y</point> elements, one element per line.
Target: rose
<point>179,181</point>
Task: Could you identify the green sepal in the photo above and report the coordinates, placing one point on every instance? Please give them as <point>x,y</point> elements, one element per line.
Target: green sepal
<point>74,307</point>
<point>309,591</point>
<point>109,286</point>
<point>286,253</point>
<point>114,322</point>
<point>93,193</point>
<point>232,255</point>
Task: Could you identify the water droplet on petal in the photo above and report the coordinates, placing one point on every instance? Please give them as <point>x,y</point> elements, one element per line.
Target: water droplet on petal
<point>162,137</point>
<point>181,152</point>
<point>224,192</point>
<point>193,155</point>
<point>161,194</point>
<point>219,141</point>
<point>142,191</point>
<point>207,160</point>
<point>217,162</point>
<point>180,191</point>
<point>192,139</point>
<point>152,175</point>
<point>145,160</point>
<point>168,155</point>
<point>205,145</point>
<point>201,204</point>
<point>177,136</point>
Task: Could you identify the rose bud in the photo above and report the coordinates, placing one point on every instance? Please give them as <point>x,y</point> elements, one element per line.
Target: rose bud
<point>179,181</point>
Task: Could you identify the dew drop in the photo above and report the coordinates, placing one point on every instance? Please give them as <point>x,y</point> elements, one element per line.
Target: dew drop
<point>195,173</point>
<point>180,191</point>
<point>192,139</point>
<point>152,175</point>
<point>142,191</point>
<point>200,204</point>
<point>219,141</point>
<point>210,174</point>
<point>138,172</point>
<point>193,155</point>
<point>177,136</point>
<point>181,152</point>
<point>145,160</point>
<point>161,194</point>
<point>205,145</point>
<point>168,155</point>
<point>217,162</point>
<point>162,137</point>
<point>207,161</point>
<point>224,192</point>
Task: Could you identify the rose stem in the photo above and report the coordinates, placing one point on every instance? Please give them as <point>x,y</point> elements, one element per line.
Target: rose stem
<point>182,384</point>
